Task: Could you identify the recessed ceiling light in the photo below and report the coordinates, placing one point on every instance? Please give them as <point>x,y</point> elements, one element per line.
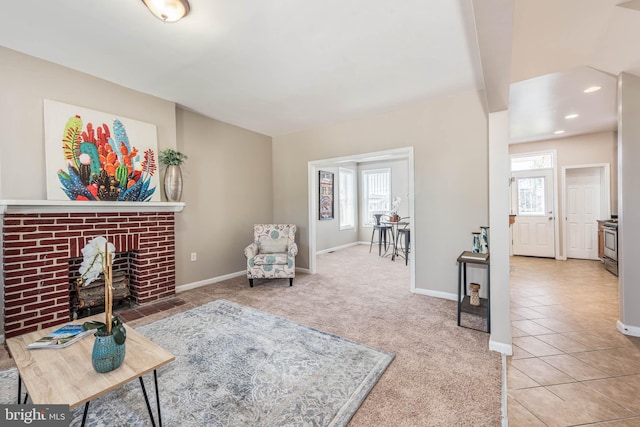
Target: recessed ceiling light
<point>571,116</point>
<point>592,89</point>
<point>558,132</point>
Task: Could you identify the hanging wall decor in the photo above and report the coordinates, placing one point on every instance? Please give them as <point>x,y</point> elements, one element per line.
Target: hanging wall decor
<point>325,202</point>
<point>96,156</point>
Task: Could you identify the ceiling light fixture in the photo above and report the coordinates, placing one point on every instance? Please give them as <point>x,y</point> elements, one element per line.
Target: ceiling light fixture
<point>592,89</point>
<point>168,10</point>
<point>571,116</point>
<point>558,132</point>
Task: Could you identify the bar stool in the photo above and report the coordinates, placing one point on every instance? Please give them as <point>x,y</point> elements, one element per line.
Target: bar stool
<point>382,230</point>
<point>404,239</point>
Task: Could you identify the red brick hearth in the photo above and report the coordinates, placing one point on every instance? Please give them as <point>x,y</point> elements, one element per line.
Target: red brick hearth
<point>37,248</point>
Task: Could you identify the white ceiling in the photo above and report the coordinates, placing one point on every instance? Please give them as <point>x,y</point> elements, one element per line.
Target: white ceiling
<point>272,66</point>
<point>538,107</point>
<point>279,66</point>
<point>561,47</point>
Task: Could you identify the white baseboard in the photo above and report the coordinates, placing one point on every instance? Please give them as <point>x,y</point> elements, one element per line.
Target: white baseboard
<point>206,282</point>
<point>436,294</point>
<point>503,392</point>
<point>212,280</point>
<point>633,331</point>
<point>337,248</point>
<point>500,347</point>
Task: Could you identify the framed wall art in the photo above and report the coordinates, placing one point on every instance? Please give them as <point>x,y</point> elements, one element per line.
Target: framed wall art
<point>96,156</point>
<point>325,204</point>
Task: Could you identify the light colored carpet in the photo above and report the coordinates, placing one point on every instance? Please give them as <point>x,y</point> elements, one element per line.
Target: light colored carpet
<point>442,375</point>
<point>238,366</point>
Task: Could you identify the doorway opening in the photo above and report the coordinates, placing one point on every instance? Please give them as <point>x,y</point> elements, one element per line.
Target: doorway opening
<point>388,155</point>
<point>587,199</point>
<point>534,201</point>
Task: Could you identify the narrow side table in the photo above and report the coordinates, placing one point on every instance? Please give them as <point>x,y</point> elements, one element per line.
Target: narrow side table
<point>464,299</point>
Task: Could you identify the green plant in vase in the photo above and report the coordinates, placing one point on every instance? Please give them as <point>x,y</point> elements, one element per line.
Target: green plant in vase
<point>172,159</point>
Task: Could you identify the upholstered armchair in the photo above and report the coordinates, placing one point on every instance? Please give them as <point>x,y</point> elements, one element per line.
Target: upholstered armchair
<point>273,252</point>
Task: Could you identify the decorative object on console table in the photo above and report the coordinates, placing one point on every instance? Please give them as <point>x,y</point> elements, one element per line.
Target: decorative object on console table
<point>475,294</point>
<point>476,242</point>
<point>484,240</point>
<point>109,346</point>
<point>172,159</point>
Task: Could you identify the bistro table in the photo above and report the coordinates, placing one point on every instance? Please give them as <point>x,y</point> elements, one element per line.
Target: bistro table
<point>395,225</point>
<point>66,376</point>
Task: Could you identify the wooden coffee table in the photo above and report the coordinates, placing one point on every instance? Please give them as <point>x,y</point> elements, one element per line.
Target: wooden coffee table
<point>66,376</point>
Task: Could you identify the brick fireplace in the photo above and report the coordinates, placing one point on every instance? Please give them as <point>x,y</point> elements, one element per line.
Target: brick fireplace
<point>38,240</point>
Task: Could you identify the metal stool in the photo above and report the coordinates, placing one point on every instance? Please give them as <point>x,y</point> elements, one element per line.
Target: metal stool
<point>405,243</point>
<point>382,234</point>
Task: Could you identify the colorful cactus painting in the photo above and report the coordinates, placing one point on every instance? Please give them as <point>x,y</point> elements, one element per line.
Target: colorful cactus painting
<point>104,167</point>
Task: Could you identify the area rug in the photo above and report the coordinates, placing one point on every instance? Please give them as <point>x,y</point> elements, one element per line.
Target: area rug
<point>238,366</point>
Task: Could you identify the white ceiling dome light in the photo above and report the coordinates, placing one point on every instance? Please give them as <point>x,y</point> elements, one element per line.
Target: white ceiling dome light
<point>168,10</point>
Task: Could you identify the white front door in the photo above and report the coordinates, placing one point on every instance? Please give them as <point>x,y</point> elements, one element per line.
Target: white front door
<point>532,202</point>
<point>583,210</point>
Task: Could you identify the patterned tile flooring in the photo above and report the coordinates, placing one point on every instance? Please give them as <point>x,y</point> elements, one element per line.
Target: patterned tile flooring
<point>570,365</point>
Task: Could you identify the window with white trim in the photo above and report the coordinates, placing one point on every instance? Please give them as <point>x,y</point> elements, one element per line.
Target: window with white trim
<point>347,196</point>
<point>527,162</point>
<point>376,193</point>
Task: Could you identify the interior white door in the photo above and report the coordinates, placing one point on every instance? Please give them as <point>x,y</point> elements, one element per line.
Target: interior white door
<point>583,210</point>
<point>532,202</point>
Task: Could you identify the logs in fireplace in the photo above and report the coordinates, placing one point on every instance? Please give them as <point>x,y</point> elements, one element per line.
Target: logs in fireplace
<point>88,300</point>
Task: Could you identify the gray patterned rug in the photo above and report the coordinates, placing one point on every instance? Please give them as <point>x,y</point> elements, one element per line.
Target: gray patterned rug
<point>238,366</point>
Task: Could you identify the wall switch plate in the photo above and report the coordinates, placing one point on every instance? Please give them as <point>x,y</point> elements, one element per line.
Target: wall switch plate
<point>194,256</point>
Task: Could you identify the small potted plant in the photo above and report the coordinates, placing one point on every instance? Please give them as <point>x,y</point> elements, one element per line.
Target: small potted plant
<point>393,215</point>
<point>172,159</point>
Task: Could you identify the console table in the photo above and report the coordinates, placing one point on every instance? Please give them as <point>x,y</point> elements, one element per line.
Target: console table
<point>464,300</point>
<point>66,376</point>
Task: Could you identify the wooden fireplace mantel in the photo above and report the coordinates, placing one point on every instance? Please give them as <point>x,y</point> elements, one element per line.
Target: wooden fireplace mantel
<point>70,206</point>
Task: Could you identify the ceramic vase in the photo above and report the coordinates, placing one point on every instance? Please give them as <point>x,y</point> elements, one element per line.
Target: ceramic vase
<point>107,355</point>
<point>484,240</point>
<point>474,298</point>
<point>173,183</point>
<point>476,242</point>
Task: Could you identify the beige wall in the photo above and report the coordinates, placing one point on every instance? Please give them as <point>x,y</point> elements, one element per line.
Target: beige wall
<point>451,176</point>
<point>575,151</point>
<point>25,82</point>
<point>227,177</point>
<point>227,189</point>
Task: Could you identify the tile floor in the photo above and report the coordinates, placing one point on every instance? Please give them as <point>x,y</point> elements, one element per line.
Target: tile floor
<point>570,365</point>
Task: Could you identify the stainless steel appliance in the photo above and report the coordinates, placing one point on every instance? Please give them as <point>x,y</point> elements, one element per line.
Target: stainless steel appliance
<point>610,229</point>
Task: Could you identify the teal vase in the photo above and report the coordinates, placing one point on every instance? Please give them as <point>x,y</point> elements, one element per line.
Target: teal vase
<point>107,355</point>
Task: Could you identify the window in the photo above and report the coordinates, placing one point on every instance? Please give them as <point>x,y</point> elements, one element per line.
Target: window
<point>347,195</point>
<point>532,161</point>
<point>376,193</point>
<point>531,196</point>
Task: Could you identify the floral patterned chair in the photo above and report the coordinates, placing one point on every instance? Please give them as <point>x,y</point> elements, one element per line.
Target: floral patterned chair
<point>272,253</point>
